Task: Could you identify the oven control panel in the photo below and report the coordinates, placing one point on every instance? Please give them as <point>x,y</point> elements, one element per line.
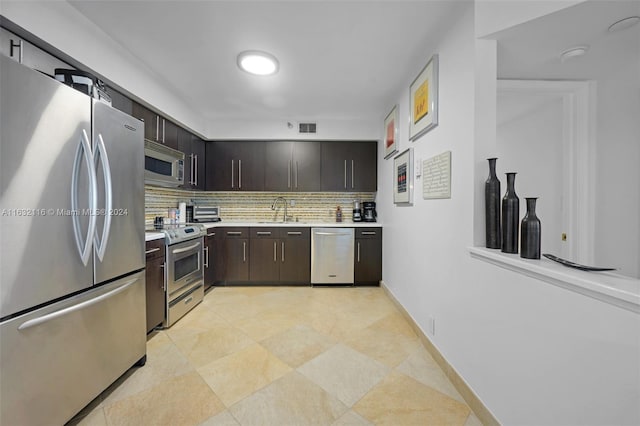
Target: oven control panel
<point>182,233</point>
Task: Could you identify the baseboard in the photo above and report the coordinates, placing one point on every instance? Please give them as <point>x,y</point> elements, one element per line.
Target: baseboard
<point>482,412</point>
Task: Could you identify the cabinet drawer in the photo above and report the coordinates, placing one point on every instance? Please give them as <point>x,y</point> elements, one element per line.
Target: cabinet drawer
<point>369,233</point>
<point>233,232</point>
<point>299,233</point>
<point>154,249</point>
<point>264,232</point>
<point>214,233</point>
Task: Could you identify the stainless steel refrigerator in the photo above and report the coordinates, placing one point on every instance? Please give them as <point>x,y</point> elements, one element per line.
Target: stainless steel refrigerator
<point>72,293</point>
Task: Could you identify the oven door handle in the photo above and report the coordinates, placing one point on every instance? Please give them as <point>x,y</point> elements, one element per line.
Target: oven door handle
<point>182,250</point>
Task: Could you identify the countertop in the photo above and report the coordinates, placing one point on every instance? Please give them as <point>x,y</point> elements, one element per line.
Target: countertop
<point>295,224</point>
<point>154,235</point>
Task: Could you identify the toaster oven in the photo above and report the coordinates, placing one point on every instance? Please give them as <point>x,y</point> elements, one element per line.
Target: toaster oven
<point>206,214</point>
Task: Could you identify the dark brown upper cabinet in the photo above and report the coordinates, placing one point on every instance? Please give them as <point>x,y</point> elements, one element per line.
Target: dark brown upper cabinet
<point>194,160</point>
<point>292,166</point>
<point>156,128</point>
<point>349,166</point>
<point>235,166</point>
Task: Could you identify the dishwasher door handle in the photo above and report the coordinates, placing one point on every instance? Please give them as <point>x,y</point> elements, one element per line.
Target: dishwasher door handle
<point>332,234</point>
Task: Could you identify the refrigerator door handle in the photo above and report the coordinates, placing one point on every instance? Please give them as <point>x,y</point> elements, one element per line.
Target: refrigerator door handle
<point>62,312</point>
<point>100,155</point>
<point>84,150</point>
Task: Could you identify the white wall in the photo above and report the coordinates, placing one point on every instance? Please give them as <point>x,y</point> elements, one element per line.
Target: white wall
<point>534,353</point>
<point>278,129</point>
<point>496,15</point>
<point>617,239</point>
<point>62,26</point>
<point>530,142</point>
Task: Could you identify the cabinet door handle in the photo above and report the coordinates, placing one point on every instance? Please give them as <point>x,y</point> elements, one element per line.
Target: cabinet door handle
<point>206,257</point>
<point>163,129</point>
<point>289,176</point>
<point>157,128</point>
<point>275,251</point>
<point>163,286</point>
<point>234,233</point>
<point>345,174</point>
<point>244,251</point>
<point>358,252</point>
<point>296,175</point>
<point>19,45</point>
<point>195,175</point>
<point>153,250</point>
<point>352,173</point>
<point>283,252</point>
<point>263,233</point>
<point>191,169</point>
<point>294,233</point>
<point>211,234</point>
<point>239,174</point>
<point>369,232</point>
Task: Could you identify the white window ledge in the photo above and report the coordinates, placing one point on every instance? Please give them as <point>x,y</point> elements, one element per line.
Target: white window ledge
<point>608,287</point>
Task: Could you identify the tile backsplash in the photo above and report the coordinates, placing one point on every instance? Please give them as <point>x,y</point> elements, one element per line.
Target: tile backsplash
<point>256,206</point>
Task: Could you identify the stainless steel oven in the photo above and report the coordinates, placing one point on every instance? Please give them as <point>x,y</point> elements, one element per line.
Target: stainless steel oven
<point>184,277</point>
<point>184,266</point>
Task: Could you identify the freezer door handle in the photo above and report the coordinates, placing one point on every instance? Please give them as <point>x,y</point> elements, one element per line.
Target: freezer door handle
<point>84,150</point>
<point>101,157</point>
<point>62,312</point>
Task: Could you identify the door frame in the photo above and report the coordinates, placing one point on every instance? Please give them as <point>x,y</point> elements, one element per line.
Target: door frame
<point>578,147</point>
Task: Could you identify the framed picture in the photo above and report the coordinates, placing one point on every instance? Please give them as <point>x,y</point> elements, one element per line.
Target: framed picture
<point>423,101</point>
<point>391,133</point>
<point>403,177</point>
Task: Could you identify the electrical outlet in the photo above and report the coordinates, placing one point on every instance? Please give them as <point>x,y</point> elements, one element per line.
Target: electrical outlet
<point>292,203</point>
<point>431,325</point>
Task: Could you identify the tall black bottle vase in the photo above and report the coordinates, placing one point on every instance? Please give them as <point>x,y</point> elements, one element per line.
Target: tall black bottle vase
<point>510,216</point>
<point>530,231</point>
<point>492,207</point>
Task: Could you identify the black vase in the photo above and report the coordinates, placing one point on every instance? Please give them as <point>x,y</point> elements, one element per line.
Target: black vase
<point>492,207</point>
<point>510,216</point>
<point>530,230</point>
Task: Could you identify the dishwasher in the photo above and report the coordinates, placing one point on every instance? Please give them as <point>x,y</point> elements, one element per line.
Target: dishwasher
<point>332,252</point>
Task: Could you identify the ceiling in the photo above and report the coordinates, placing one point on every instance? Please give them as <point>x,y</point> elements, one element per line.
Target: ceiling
<point>338,59</point>
<point>532,50</point>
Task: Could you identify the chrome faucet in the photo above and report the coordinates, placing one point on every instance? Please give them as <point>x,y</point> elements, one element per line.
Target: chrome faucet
<point>284,201</point>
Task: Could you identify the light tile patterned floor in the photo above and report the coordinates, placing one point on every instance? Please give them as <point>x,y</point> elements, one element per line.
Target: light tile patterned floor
<point>286,356</point>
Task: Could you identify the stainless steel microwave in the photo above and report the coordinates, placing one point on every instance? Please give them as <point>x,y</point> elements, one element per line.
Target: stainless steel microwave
<point>163,166</point>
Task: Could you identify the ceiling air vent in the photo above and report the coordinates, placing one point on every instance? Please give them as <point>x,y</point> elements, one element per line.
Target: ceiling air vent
<point>307,127</point>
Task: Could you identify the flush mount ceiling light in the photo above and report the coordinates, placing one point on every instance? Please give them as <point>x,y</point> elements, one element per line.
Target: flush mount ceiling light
<point>623,24</point>
<point>257,62</point>
<point>573,52</point>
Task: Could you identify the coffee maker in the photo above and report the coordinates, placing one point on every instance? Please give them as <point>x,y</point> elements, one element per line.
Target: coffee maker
<point>370,213</point>
<point>357,211</point>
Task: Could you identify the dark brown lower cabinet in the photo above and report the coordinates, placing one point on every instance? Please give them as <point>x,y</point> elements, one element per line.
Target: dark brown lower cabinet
<point>155,286</point>
<point>210,253</point>
<point>236,254</point>
<point>296,256</point>
<point>368,256</point>
<point>230,258</point>
<point>264,266</point>
<point>280,256</point>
